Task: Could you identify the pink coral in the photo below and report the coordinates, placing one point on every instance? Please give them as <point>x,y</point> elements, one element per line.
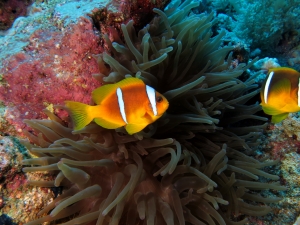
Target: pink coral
<point>54,67</point>
<point>279,143</point>
<point>109,19</point>
<point>141,11</point>
<point>10,10</point>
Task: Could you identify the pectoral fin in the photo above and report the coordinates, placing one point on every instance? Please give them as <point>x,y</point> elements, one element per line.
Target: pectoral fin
<point>271,111</point>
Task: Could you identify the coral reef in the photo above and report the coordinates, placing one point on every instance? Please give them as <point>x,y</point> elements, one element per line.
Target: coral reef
<point>278,146</point>
<point>121,11</point>
<point>48,63</point>
<point>278,30</point>
<point>60,72</point>
<point>12,185</point>
<point>260,69</point>
<point>291,126</point>
<point>270,26</point>
<point>266,64</point>
<point>46,31</point>
<point>191,166</point>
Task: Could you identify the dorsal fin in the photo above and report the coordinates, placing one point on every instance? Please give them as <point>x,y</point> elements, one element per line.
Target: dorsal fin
<point>129,81</point>
<point>99,94</point>
<point>102,92</point>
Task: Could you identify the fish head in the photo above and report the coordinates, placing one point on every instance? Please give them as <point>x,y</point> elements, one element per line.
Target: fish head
<point>280,93</point>
<point>156,108</point>
<point>162,104</point>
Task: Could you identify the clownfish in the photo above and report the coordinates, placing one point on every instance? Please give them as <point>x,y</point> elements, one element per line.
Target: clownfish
<point>280,93</point>
<point>129,102</point>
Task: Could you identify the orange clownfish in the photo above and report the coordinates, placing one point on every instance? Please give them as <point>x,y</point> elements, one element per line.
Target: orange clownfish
<point>280,93</point>
<point>130,103</point>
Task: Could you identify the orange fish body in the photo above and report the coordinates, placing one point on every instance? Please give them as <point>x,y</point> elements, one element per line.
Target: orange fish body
<point>280,93</point>
<point>128,103</point>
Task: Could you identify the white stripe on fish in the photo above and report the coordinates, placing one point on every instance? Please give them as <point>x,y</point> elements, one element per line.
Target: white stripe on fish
<point>151,96</point>
<point>267,86</point>
<point>121,104</point>
<point>299,92</point>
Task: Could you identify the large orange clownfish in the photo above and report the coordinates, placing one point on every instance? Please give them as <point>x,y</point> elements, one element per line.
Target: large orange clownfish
<point>280,93</point>
<point>130,103</point>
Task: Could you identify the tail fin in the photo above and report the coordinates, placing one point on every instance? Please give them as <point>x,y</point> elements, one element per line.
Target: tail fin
<point>80,113</point>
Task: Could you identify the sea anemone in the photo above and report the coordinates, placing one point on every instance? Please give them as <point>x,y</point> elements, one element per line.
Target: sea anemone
<point>190,167</point>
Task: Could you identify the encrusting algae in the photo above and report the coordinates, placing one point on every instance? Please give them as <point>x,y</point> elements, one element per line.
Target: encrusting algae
<point>191,166</point>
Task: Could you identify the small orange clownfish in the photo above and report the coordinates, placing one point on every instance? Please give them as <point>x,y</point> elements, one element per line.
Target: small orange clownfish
<point>130,103</point>
<point>280,93</point>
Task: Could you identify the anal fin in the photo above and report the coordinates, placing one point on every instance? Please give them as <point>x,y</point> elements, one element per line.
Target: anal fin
<point>107,124</point>
<point>134,128</point>
<point>279,118</point>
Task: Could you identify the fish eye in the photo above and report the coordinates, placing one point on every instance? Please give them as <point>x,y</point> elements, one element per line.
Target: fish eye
<point>159,99</point>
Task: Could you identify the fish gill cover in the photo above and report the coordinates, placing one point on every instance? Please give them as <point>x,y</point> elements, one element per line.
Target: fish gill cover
<point>193,166</point>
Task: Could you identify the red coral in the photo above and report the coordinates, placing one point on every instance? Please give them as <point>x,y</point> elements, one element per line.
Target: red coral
<point>54,67</point>
<point>140,11</point>
<point>17,181</point>
<point>121,11</point>
<point>255,220</point>
<point>10,10</point>
<point>279,143</point>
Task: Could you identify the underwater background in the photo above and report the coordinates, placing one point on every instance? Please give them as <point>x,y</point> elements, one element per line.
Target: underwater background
<point>214,158</point>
